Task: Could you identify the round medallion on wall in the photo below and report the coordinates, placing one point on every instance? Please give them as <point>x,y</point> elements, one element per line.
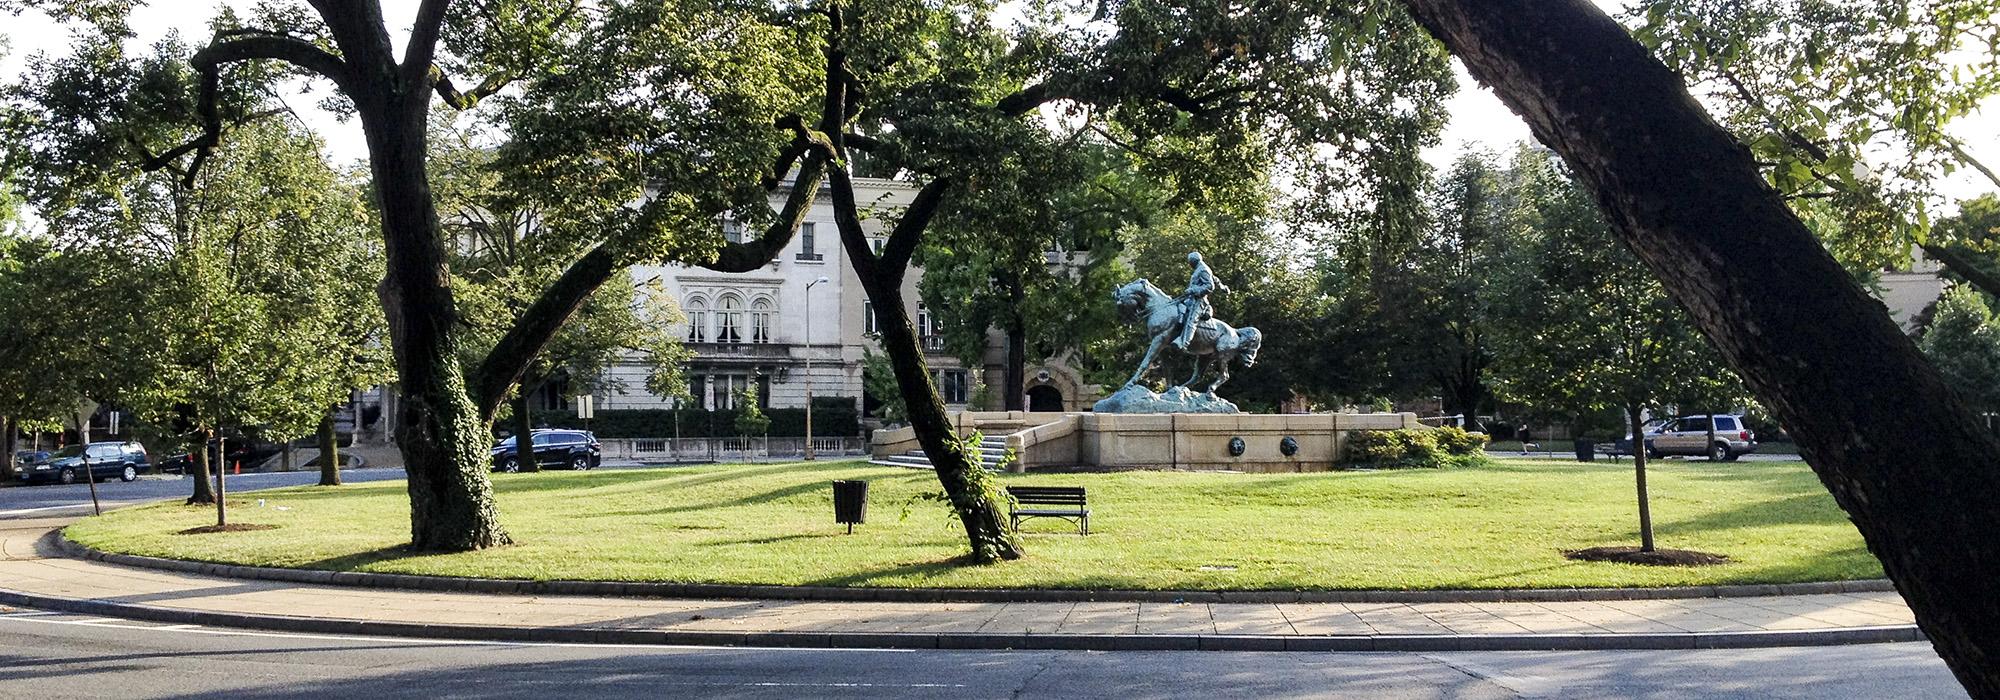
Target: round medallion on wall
<point>1237,446</point>
<point>1289,446</point>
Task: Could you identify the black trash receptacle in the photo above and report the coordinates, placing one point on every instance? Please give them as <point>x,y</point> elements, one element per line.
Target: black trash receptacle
<point>850,502</point>
<point>1585,450</point>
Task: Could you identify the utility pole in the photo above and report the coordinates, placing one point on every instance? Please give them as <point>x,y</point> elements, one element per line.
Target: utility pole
<point>809,366</point>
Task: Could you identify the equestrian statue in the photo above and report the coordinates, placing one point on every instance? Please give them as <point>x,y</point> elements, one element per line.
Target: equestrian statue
<point>1186,321</point>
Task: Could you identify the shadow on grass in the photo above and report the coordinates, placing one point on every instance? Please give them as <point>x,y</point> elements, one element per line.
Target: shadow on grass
<point>873,578</point>
<point>774,539</point>
<point>353,562</point>
<point>1799,509</point>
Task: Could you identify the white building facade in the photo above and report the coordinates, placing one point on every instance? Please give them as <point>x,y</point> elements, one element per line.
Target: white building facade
<point>779,329</point>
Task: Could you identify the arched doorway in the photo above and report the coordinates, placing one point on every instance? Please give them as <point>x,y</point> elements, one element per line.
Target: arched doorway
<point>1045,399</point>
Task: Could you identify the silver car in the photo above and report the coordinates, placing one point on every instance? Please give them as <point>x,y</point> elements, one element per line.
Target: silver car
<point>1689,435</point>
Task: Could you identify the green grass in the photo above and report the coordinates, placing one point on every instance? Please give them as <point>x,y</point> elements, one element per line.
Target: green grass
<point>1500,526</point>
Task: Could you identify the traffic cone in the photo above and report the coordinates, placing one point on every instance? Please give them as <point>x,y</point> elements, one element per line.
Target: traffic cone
<point>239,466</point>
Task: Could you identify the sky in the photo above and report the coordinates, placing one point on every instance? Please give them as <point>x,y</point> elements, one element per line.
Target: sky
<point>1478,118</point>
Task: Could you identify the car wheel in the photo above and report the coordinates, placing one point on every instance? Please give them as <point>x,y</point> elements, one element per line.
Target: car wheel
<point>509,465</point>
<point>68,476</point>
<point>579,462</point>
<point>130,473</point>
<point>1718,453</point>
<point>1653,453</point>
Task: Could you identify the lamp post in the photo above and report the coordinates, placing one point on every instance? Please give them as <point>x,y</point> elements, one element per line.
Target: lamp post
<point>809,366</point>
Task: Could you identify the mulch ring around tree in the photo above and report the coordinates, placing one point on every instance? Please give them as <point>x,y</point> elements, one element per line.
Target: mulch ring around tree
<point>1657,557</point>
<point>232,527</point>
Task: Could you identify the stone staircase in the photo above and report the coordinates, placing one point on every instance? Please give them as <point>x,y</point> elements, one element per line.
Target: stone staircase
<point>992,451</point>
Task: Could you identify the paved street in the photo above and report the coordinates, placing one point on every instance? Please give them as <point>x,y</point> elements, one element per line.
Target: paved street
<point>18,501</point>
<point>44,655</point>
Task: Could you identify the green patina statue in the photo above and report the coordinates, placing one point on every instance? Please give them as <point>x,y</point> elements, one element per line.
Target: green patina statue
<point>1186,322</point>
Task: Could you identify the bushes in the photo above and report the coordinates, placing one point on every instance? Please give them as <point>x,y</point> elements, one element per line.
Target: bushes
<point>831,418</point>
<point>1416,448</point>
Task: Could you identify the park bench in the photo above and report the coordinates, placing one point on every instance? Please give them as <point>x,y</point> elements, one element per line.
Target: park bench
<point>1069,498</point>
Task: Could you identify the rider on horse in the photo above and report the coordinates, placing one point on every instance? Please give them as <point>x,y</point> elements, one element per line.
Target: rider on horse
<point>1194,300</point>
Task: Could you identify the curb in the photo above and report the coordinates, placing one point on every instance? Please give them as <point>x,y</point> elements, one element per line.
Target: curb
<point>940,595</point>
<point>898,640</point>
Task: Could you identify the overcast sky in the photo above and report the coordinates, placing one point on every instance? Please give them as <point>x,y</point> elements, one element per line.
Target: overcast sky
<point>1477,117</point>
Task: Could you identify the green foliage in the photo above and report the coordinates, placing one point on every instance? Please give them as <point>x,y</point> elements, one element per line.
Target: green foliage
<point>1578,324</point>
<point>1458,441</point>
<point>750,420</point>
<point>1848,105</point>
<point>832,417</point>
<point>878,378</point>
<point>1418,448</point>
<point>1964,343</point>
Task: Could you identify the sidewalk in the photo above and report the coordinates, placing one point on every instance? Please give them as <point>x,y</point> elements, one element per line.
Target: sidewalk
<point>34,574</point>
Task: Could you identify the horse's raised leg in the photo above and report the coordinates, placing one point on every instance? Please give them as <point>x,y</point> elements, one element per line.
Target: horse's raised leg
<point>1221,366</point>
<point>1197,372</point>
<point>1147,363</point>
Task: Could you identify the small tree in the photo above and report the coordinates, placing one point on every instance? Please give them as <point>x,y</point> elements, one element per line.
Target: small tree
<point>1580,326</point>
<point>750,418</point>
<point>1964,342</point>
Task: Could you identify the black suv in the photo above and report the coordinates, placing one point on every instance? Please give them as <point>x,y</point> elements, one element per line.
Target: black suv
<point>122,460</point>
<point>577,449</point>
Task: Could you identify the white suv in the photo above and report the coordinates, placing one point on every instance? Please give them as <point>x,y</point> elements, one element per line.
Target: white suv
<point>1688,435</point>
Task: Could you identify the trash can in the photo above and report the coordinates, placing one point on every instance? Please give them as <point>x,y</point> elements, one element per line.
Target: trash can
<point>1585,450</point>
<point>850,503</point>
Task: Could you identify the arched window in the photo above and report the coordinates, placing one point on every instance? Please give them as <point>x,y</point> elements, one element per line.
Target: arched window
<point>760,320</point>
<point>729,319</point>
<point>697,313</point>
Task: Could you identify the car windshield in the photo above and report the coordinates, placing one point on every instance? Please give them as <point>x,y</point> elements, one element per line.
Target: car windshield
<point>509,442</point>
<point>71,451</point>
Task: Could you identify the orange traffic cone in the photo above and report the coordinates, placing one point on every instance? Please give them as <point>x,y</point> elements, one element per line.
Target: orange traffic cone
<point>239,466</point>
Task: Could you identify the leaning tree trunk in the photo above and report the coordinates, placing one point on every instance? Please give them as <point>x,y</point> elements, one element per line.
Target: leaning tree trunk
<point>1639,474</point>
<point>329,451</point>
<point>971,490</point>
<point>438,429</point>
<point>1899,450</point>
<point>204,493</point>
<point>524,431</point>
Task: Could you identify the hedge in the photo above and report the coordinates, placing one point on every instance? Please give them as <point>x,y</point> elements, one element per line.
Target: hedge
<point>832,417</point>
<point>1424,448</point>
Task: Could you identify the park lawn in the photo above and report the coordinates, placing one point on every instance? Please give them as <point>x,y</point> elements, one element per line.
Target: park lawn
<point>1498,526</point>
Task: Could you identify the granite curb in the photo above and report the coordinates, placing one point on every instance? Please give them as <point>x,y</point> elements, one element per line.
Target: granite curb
<point>942,595</point>
<point>900,640</point>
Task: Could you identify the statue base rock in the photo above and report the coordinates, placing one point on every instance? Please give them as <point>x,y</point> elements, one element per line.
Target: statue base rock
<point>1180,399</point>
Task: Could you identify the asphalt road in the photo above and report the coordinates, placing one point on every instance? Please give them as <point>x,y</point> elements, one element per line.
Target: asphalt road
<point>51,655</point>
<point>22,501</point>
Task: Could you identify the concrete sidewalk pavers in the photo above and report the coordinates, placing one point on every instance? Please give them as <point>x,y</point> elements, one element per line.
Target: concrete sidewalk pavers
<point>35,574</point>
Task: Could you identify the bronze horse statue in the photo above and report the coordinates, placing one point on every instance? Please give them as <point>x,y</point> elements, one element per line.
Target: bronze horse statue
<point>1214,341</point>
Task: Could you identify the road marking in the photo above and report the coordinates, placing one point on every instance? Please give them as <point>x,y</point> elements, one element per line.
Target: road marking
<point>115,623</point>
<point>20,511</point>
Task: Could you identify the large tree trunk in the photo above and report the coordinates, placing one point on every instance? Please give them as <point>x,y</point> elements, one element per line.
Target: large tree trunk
<point>329,451</point>
<point>438,429</point>
<point>972,491</point>
<point>524,431</point>
<point>1899,450</point>
<point>1638,427</point>
<point>204,494</point>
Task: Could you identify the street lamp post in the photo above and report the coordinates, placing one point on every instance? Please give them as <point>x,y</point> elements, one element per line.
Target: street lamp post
<point>809,366</point>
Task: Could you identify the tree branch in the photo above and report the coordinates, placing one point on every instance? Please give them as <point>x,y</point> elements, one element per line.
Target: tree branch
<point>909,229</point>
<point>233,46</point>
<point>422,49</point>
<point>1964,263</point>
<point>510,357</point>
<point>461,101</point>
<point>750,255</point>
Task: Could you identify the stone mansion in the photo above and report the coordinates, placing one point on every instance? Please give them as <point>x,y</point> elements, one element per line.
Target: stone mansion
<point>762,328</point>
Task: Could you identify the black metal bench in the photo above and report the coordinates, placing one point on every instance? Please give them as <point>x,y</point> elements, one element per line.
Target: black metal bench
<point>1070,497</point>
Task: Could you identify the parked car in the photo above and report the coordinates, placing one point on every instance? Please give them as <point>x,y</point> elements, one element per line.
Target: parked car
<point>1688,435</point>
<point>107,460</point>
<point>576,449</point>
